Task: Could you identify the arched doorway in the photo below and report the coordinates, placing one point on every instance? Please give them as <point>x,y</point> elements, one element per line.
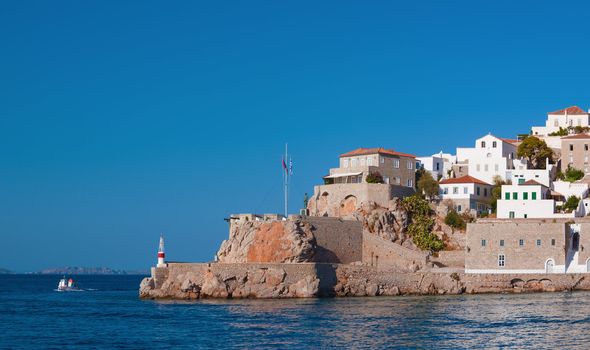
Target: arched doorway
<point>348,205</point>
<point>575,242</point>
<point>549,264</point>
<point>322,205</point>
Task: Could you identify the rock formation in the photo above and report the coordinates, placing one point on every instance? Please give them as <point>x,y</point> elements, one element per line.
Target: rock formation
<point>290,241</point>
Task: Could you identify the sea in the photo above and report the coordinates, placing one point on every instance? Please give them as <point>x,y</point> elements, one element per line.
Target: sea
<point>109,315</point>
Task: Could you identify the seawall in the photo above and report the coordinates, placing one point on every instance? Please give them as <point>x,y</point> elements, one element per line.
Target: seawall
<point>262,280</point>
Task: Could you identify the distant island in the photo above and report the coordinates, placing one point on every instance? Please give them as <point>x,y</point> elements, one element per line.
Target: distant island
<point>77,270</point>
<point>5,271</point>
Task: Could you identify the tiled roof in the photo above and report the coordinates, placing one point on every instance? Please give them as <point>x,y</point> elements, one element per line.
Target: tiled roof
<point>366,151</point>
<point>532,183</point>
<point>575,110</point>
<point>463,180</point>
<point>509,140</point>
<point>576,137</point>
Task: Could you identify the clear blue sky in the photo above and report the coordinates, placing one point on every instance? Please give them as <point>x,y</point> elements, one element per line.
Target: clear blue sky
<point>121,120</point>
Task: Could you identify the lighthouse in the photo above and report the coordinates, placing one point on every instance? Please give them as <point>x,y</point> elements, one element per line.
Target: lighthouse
<point>161,254</point>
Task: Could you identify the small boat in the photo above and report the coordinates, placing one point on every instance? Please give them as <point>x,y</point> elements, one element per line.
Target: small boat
<point>67,286</point>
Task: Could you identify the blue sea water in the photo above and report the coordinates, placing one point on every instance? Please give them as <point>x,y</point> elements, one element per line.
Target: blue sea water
<point>33,315</point>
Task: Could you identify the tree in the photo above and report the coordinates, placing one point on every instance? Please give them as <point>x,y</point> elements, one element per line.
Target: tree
<point>374,178</point>
<point>572,174</point>
<point>535,151</point>
<point>571,204</point>
<point>427,185</point>
<point>497,192</point>
<point>422,223</point>
<point>454,220</point>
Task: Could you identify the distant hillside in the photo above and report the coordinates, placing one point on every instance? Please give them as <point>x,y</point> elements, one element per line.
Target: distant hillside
<point>5,271</point>
<point>77,270</point>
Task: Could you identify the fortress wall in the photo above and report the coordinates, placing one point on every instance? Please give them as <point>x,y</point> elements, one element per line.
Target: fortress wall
<point>215,280</point>
<point>379,252</point>
<point>342,238</point>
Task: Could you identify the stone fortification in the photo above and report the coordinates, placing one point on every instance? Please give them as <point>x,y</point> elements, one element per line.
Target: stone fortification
<point>217,280</point>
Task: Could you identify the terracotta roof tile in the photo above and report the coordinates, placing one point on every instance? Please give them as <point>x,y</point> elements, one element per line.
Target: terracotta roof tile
<point>532,183</point>
<point>576,137</point>
<point>379,150</point>
<point>574,110</point>
<point>463,180</point>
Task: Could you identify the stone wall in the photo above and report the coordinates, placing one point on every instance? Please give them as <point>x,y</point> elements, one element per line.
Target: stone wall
<point>339,200</point>
<point>338,241</point>
<point>483,244</point>
<point>215,280</point>
<point>378,252</point>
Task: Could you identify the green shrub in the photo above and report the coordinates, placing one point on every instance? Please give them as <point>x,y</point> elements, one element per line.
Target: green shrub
<point>571,204</point>
<point>573,174</point>
<point>561,132</point>
<point>422,223</point>
<point>374,178</point>
<point>454,220</point>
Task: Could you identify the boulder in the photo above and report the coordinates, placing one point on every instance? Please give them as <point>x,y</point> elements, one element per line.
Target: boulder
<point>213,287</point>
<point>307,287</point>
<point>289,241</point>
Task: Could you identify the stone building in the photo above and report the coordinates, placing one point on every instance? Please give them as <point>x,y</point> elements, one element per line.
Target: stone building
<point>346,187</point>
<point>528,246</point>
<point>574,152</point>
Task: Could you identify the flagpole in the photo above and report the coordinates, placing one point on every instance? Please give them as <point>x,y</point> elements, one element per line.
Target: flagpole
<point>286,177</point>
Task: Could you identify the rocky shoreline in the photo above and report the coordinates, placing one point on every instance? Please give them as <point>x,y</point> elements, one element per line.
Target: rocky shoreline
<point>305,280</point>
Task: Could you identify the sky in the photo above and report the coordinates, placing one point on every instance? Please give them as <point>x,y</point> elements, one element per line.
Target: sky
<point>123,119</point>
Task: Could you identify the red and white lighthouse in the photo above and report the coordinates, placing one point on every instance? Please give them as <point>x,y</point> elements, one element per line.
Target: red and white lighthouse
<point>161,253</point>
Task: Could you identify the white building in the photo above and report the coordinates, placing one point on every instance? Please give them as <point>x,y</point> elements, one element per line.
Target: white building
<point>522,173</point>
<point>568,117</point>
<point>438,165</point>
<point>530,200</point>
<point>492,156</point>
<point>568,189</point>
<point>467,194</point>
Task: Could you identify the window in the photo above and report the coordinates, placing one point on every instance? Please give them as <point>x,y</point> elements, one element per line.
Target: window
<point>455,190</point>
<point>538,242</point>
<point>571,147</point>
<point>501,243</point>
<point>515,195</point>
<point>553,241</point>
<point>410,164</point>
<point>459,209</point>
<point>485,192</point>
<point>520,181</point>
<point>511,215</point>
<point>363,161</point>
<point>370,161</point>
<point>446,190</point>
<point>521,242</point>
<point>437,166</point>
<point>501,260</point>
<point>483,144</point>
<point>525,196</point>
<point>586,147</point>
<point>485,167</point>
<point>477,167</point>
<point>496,168</point>
<point>507,196</point>
<point>410,183</point>
<point>353,162</point>
<point>555,123</point>
<point>396,163</point>
<point>465,190</point>
<point>345,163</point>
<point>534,195</point>
<point>477,190</point>
<point>494,144</point>
<point>382,160</point>
<point>483,242</point>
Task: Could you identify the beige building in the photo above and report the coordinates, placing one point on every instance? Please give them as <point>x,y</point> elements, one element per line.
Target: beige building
<point>396,168</point>
<point>346,187</point>
<point>528,246</point>
<point>574,152</point>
